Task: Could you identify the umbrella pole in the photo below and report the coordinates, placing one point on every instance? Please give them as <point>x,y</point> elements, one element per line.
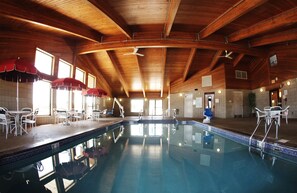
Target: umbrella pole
<point>17,97</point>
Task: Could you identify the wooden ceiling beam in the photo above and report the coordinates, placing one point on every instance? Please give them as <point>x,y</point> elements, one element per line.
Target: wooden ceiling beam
<point>237,60</point>
<point>109,13</point>
<point>240,8</point>
<point>163,64</point>
<point>52,19</point>
<point>119,74</point>
<point>283,19</point>
<point>171,13</point>
<point>189,63</point>
<point>141,76</point>
<point>87,48</point>
<point>284,36</point>
<point>215,59</point>
<point>87,61</point>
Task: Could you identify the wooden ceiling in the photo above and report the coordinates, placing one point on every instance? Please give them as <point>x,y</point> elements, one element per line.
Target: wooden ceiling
<point>178,38</point>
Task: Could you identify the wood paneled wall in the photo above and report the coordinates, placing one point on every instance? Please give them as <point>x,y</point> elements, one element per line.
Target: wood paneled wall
<point>218,81</point>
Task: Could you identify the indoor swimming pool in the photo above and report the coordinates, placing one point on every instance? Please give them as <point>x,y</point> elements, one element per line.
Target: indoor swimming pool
<point>159,158</point>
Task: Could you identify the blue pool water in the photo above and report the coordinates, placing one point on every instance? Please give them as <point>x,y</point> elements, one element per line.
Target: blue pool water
<point>188,160</point>
<point>158,158</point>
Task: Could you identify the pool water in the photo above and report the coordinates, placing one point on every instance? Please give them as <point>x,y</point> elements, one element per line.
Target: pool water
<point>185,159</point>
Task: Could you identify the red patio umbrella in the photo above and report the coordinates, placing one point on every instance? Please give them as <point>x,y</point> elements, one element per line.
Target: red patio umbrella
<point>68,84</point>
<point>95,92</point>
<point>18,70</point>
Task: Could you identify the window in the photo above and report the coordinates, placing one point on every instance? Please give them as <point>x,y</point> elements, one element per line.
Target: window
<point>240,74</point>
<point>78,98</point>
<point>80,75</point>
<point>136,105</point>
<point>64,69</point>
<point>63,97</point>
<point>90,101</point>
<point>91,81</point>
<point>42,89</point>
<point>155,107</point>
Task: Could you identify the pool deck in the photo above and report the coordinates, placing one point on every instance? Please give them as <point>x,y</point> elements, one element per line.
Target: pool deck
<point>44,134</point>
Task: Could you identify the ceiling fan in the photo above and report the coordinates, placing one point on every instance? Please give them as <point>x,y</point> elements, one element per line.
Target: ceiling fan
<point>134,52</point>
<point>227,55</point>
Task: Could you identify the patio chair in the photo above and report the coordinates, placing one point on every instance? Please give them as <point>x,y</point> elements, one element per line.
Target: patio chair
<point>29,119</point>
<point>79,115</point>
<point>27,109</point>
<point>285,113</point>
<point>63,115</point>
<point>5,122</point>
<point>261,115</point>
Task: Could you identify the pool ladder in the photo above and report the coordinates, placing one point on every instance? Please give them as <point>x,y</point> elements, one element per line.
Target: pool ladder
<point>261,145</point>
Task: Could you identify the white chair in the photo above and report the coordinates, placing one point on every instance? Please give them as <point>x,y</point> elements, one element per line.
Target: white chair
<point>95,114</point>
<point>79,115</point>
<point>260,115</point>
<point>29,119</point>
<point>285,113</point>
<point>62,115</point>
<point>27,109</point>
<point>5,122</point>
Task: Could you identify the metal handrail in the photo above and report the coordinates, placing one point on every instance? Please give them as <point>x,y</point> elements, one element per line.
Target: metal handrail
<point>251,137</point>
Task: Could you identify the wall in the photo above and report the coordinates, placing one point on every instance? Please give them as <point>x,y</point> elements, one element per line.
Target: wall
<point>8,95</point>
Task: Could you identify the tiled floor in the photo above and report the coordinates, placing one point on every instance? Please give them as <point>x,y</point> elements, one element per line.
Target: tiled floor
<point>49,133</point>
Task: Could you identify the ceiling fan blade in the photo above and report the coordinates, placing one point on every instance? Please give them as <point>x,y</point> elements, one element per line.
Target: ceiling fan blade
<point>228,54</point>
<point>138,54</point>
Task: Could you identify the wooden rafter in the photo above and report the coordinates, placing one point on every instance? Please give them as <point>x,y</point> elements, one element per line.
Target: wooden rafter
<point>171,13</point>
<point>282,19</point>
<point>141,76</point>
<point>240,8</point>
<point>86,61</point>
<point>54,20</point>
<point>212,45</point>
<point>237,59</point>
<point>284,36</point>
<point>215,59</point>
<point>189,63</point>
<point>119,74</point>
<point>107,10</point>
<point>163,63</point>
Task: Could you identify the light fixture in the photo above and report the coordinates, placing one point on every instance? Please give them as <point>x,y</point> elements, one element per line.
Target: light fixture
<point>180,94</point>
<point>261,89</point>
<point>219,91</point>
<point>120,99</point>
<point>288,83</point>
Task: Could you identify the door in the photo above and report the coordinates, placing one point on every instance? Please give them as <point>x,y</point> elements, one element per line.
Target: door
<point>275,98</point>
<point>188,105</point>
<point>155,107</point>
<point>238,104</point>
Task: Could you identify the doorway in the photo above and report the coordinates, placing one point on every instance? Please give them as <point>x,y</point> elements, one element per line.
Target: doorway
<point>188,105</point>
<point>155,107</point>
<point>209,100</point>
<point>275,97</point>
